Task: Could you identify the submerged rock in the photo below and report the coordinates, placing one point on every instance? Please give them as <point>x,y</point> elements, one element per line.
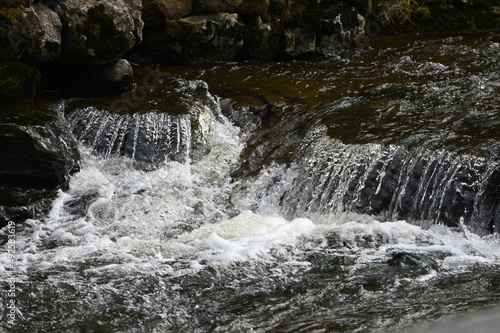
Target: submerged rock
<point>410,260</point>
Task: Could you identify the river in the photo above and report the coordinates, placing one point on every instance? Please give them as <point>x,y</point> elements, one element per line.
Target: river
<point>352,194</point>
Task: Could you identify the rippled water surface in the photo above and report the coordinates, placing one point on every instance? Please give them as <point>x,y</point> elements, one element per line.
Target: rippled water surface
<point>365,200</point>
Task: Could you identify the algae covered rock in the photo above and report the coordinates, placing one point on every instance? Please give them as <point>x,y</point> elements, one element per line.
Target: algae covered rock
<point>18,82</point>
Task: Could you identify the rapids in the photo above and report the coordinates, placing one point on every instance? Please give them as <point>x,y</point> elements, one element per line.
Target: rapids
<point>364,199</point>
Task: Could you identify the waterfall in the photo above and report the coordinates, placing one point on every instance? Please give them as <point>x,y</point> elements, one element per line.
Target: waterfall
<point>147,137</point>
<point>172,127</point>
<point>392,182</point>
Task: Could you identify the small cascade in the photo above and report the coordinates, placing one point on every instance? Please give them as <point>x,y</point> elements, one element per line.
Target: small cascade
<point>169,123</point>
<point>328,178</point>
<point>146,137</point>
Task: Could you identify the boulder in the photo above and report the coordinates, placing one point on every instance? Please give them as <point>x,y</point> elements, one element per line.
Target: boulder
<point>99,32</point>
<point>35,160</point>
<point>113,79</point>
<point>47,44</point>
<point>39,156</point>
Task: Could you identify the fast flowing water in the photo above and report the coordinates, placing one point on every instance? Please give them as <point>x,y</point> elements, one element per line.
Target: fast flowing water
<point>365,200</point>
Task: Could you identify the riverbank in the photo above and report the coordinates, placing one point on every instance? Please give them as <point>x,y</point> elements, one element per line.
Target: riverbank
<point>80,45</point>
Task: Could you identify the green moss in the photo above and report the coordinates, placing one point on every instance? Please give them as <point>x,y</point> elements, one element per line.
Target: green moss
<point>18,82</point>
<point>10,14</point>
<point>11,10</point>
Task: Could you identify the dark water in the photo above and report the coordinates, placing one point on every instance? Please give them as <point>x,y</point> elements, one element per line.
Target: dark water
<point>355,194</point>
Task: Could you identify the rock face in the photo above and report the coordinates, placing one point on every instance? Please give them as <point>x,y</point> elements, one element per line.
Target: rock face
<point>173,9</point>
<point>299,42</point>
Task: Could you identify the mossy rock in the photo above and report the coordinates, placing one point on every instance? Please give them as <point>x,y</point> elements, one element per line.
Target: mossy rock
<point>18,82</point>
<point>11,10</point>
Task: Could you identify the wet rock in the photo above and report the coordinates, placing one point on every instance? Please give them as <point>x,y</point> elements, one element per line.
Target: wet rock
<point>18,82</point>
<point>174,128</point>
<point>15,214</point>
<point>35,160</point>
<point>410,260</point>
<point>41,156</point>
<point>113,79</point>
